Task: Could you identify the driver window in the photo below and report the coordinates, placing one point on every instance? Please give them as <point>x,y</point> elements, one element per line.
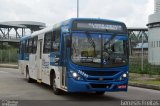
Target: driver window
<point>56,40</point>
<point>47,42</point>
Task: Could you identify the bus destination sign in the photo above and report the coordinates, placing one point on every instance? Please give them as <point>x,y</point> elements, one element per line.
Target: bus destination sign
<point>100,26</point>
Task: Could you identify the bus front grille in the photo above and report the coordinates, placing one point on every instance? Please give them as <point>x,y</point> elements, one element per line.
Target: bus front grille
<point>100,73</point>
<point>101,79</point>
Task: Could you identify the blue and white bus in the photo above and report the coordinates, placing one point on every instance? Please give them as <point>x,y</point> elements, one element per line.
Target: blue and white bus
<point>78,55</point>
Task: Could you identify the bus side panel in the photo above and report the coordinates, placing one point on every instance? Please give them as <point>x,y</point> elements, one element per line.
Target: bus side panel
<point>23,63</point>
<point>45,68</point>
<point>58,72</point>
<point>32,66</point>
<point>22,66</point>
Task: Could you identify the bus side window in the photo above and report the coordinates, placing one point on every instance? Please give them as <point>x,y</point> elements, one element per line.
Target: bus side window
<point>47,42</point>
<point>26,46</point>
<point>56,40</point>
<point>34,45</point>
<point>30,45</point>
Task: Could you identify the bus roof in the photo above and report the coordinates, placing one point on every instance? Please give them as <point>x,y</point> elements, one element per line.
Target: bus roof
<point>69,22</point>
<point>41,31</point>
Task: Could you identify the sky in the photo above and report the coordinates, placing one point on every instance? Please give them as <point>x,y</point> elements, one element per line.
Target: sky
<point>134,13</point>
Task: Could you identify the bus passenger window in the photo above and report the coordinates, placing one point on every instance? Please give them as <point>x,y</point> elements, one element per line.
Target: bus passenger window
<point>56,41</point>
<point>47,42</point>
<point>30,45</point>
<point>26,46</point>
<point>34,45</point>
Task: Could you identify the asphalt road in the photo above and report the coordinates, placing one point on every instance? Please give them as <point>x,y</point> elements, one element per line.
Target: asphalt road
<point>13,86</point>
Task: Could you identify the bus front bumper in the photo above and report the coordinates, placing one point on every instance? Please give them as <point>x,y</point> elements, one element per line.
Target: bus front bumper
<point>83,86</point>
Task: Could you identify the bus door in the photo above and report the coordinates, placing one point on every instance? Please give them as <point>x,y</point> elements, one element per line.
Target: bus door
<point>39,59</point>
<point>64,67</point>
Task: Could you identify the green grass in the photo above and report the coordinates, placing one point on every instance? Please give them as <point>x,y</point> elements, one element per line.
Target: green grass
<point>144,79</point>
<point>149,82</point>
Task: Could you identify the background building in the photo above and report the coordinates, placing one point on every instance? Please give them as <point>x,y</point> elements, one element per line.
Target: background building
<point>154,35</point>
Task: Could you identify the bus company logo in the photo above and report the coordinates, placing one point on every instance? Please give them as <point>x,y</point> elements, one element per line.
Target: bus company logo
<point>45,64</point>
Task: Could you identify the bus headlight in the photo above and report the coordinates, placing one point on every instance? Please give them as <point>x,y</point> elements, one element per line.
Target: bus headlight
<point>75,75</point>
<point>125,75</point>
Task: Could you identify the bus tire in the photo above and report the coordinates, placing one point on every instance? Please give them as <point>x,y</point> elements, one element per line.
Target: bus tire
<point>30,80</point>
<point>100,92</point>
<point>56,91</point>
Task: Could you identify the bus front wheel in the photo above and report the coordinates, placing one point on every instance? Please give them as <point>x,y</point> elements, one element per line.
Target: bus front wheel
<point>56,91</point>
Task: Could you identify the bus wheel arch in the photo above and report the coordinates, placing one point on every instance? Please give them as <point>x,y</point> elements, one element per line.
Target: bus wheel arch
<point>56,90</point>
<point>30,80</point>
<point>27,72</point>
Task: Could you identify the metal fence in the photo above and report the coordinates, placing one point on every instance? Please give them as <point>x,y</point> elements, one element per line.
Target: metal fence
<point>8,53</point>
<point>139,56</point>
<point>140,64</point>
<point>9,56</point>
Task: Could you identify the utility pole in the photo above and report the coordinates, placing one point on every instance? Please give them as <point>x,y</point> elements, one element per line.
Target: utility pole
<point>142,53</point>
<point>77,8</point>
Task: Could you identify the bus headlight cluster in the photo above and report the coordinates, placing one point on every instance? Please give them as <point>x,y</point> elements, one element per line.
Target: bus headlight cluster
<point>125,75</point>
<point>75,75</point>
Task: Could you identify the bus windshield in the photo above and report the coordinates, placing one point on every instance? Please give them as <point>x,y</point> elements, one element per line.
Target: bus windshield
<point>97,50</point>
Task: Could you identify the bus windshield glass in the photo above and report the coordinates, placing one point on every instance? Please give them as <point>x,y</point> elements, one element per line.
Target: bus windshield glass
<point>97,50</point>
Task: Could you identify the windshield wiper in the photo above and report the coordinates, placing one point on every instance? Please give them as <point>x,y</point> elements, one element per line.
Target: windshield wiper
<point>110,39</point>
<point>108,51</point>
<point>91,41</point>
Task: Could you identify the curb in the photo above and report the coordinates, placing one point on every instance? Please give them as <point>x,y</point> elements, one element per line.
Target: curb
<point>8,66</point>
<point>154,87</point>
